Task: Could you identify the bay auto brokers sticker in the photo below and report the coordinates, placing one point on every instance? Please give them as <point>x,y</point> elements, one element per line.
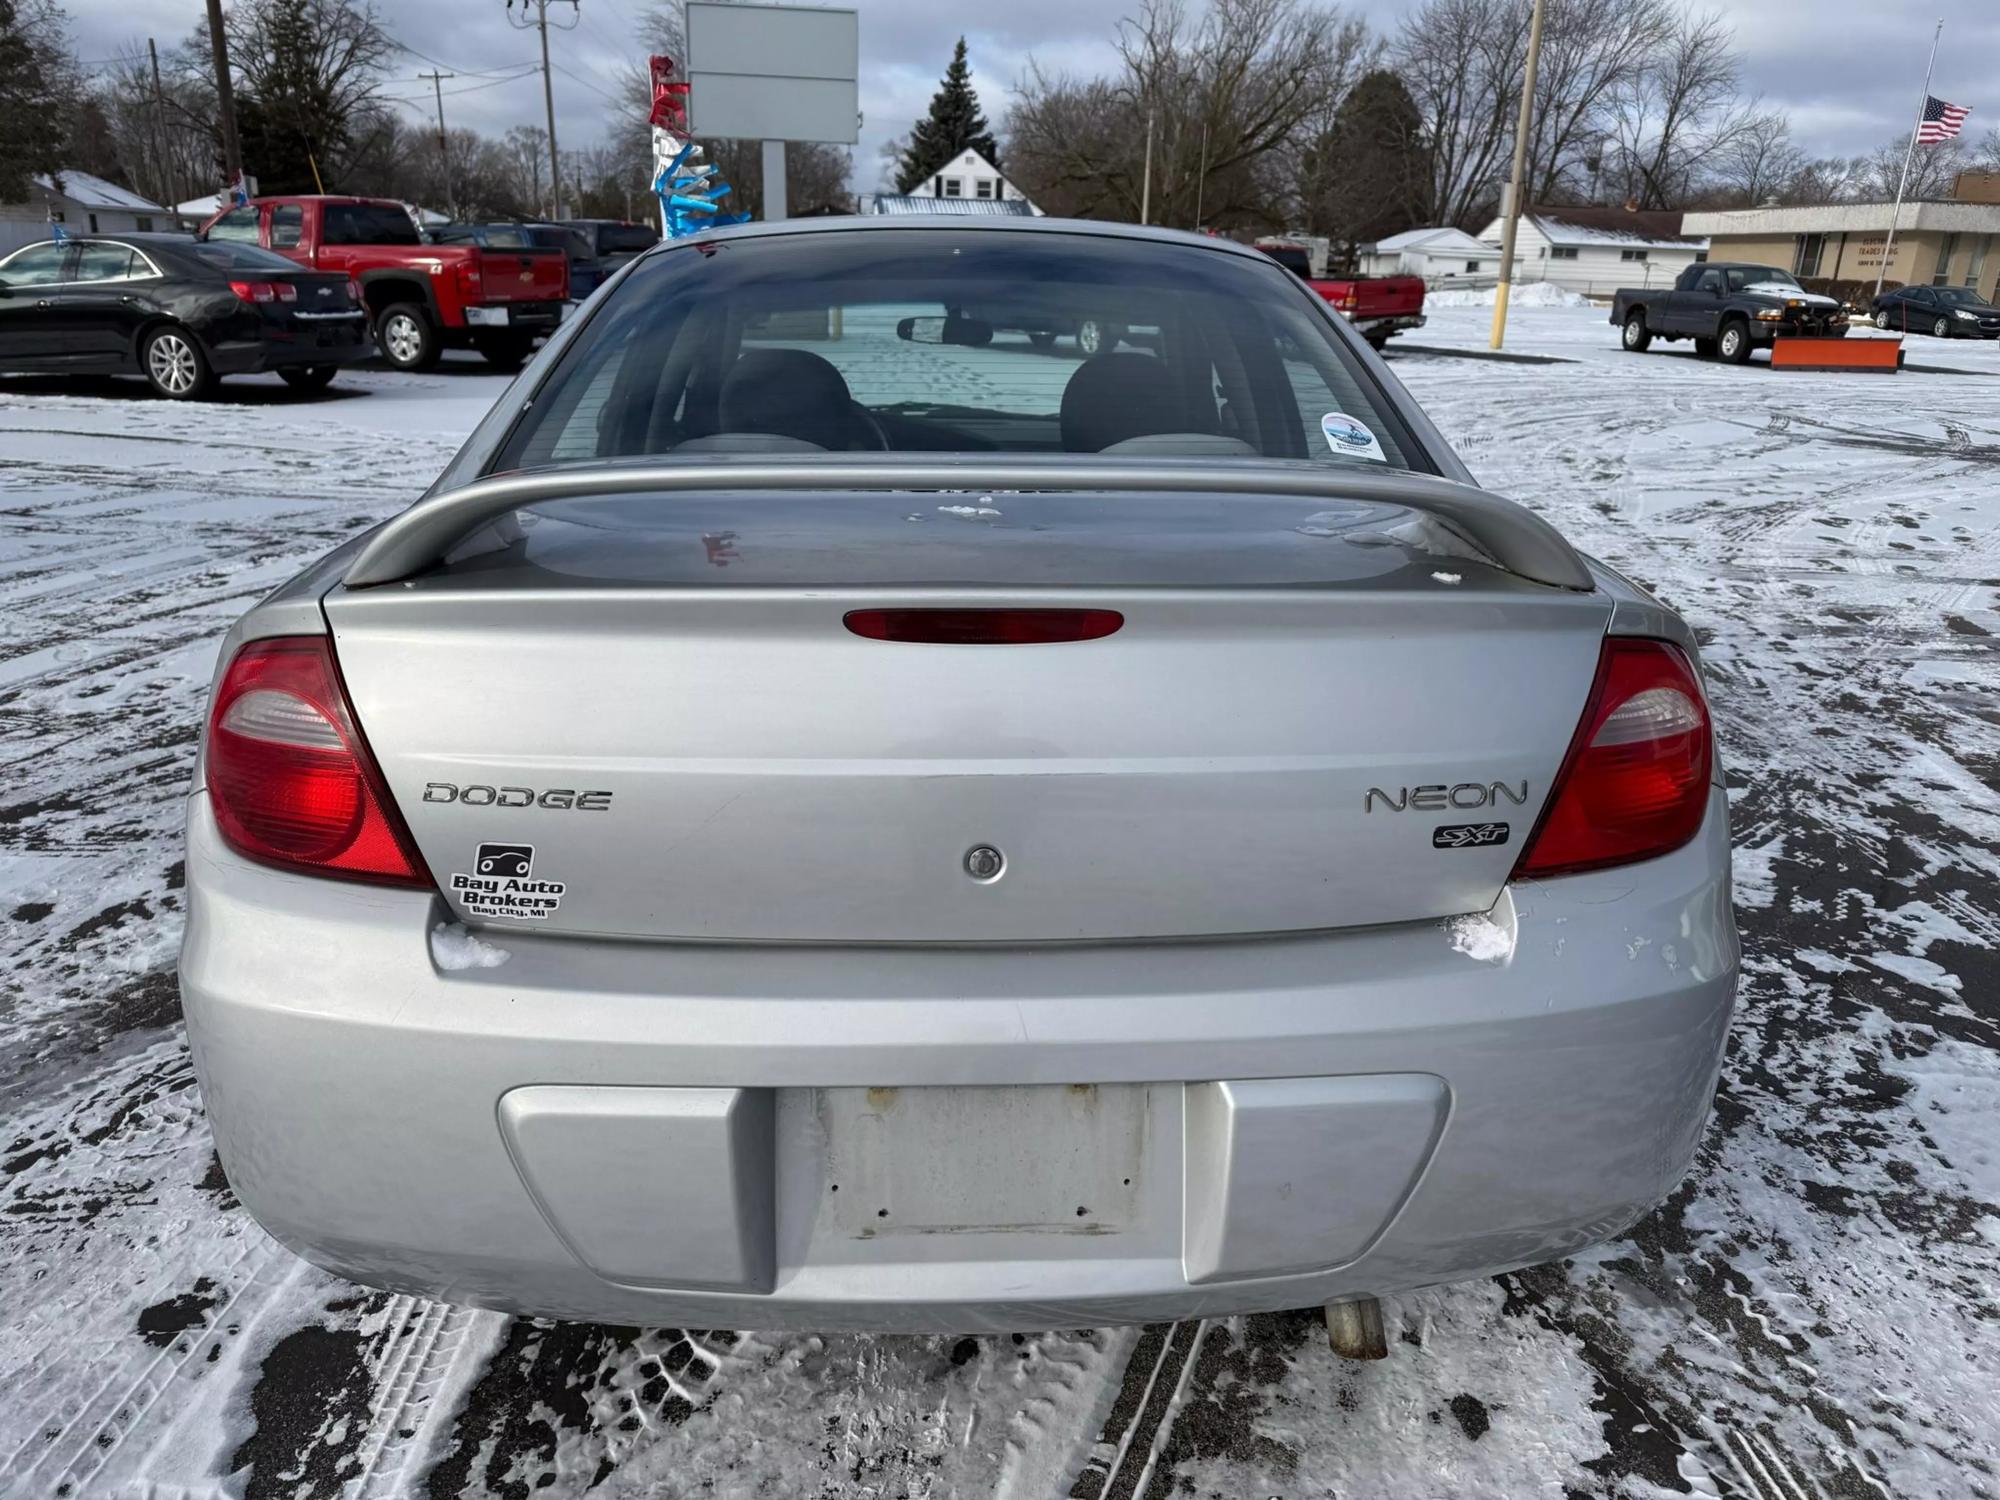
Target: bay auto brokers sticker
<point>503,884</point>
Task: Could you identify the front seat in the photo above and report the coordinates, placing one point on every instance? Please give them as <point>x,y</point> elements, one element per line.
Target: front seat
<point>790,392</point>
<point>1112,397</point>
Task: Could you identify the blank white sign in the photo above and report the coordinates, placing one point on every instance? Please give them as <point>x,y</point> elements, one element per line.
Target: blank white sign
<point>773,72</point>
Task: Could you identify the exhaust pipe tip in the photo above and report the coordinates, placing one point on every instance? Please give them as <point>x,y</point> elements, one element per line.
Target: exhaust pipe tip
<point>1354,1329</point>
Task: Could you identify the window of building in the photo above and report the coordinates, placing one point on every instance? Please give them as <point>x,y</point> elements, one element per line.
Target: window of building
<point>1562,252</point>
<point>143,224</point>
<point>93,223</point>
<point>982,187</point>
<point>1700,256</point>
<point>1631,254</point>
<point>1976,267</point>
<point>953,187</point>
<point>1472,265</point>
<point>1947,248</point>
<point>1805,261</point>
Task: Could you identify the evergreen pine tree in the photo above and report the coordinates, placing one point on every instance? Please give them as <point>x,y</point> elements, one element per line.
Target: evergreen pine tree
<point>954,124</point>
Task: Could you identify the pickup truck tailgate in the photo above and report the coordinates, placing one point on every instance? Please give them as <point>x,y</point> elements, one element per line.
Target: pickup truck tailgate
<point>523,275</point>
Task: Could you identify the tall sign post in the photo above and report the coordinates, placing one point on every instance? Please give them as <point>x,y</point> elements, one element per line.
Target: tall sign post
<point>774,73</point>
<point>1510,206</point>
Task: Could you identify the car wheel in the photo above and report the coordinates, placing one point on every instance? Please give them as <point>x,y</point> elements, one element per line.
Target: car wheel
<point>307,377</point>
<point>1041,340</point>
<point>1734,344</point>
<point>1635,336</point>
<point>1098,336</point>
<point>175,365</point>
<point>1704,347</point>
<point>1941,329</point>
<point>1882,320</point>
<point>506,355</point>
<point>406,338</point>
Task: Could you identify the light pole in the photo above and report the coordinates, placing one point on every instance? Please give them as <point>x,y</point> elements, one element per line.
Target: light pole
<point>1516,182</point>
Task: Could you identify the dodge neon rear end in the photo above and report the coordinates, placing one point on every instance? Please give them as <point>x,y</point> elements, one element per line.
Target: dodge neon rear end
<point>828,815</point>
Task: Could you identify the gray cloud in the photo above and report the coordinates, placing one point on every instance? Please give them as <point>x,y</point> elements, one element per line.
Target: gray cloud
<point>1848,72</point>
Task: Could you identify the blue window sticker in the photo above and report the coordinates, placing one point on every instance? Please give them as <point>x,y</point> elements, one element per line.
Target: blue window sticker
<point>1346,436</point>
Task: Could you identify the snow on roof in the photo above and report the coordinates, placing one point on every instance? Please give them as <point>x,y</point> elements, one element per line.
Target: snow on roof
<point>1658,229</point>
<point>95,192</point>
<point>898,203</point>
<point>1444,239</point>
<point>200,207</point>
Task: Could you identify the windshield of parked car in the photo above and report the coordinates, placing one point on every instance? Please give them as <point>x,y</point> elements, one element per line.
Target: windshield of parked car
<point>961,340</point>
<point>1959,296</point>
<point>491,236</point>
<point>1748,276</point>
<point>230,255</point>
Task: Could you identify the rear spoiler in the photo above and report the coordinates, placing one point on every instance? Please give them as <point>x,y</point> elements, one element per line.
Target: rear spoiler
<point>1515,538</point>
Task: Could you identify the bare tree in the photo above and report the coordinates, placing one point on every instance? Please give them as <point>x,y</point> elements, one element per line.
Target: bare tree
<point>1674,116</point>
<point>1228,102</point>
<point>39,89</point>
<point>1594,52</point>
<point>1758,162</point>
<point>1462,61</point>
<point>1933,169</point>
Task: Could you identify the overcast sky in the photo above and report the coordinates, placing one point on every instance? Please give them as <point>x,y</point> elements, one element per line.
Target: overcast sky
<point>1847,71</point>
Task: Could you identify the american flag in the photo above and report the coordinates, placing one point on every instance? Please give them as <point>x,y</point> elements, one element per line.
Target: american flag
<point>1941,122</point>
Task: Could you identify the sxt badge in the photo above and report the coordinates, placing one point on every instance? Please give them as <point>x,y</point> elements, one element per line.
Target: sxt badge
<point>503,885</point>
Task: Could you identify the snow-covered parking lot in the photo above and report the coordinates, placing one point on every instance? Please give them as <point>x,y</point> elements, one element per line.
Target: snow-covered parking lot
<point>1816,1313</point>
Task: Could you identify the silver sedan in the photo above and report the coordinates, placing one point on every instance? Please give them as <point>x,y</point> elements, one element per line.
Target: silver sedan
<point>835,813</point>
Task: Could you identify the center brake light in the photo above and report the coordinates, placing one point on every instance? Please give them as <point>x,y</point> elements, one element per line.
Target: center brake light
<point>289,776</point>
<point>1635,782</point>
<point>984,627</point>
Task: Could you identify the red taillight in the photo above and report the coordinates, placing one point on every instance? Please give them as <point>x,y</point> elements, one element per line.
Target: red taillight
<point>1635,783</point>
<point>984,627</point>
<point>264,291</point>
<point>470,281</point>
<point>354,289</point>
<point>289,776</point>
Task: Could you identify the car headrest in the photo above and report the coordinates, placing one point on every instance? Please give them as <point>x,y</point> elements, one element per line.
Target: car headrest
<point>1113,397</point>
<point>790,392</point>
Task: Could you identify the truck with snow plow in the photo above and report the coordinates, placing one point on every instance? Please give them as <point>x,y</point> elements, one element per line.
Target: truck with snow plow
<point>1730,309</point>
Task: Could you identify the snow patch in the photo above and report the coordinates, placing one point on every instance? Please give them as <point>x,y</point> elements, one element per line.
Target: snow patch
<point>1449,577</point>
<point>1522,294</point>
<point>969,511</point>
<point>453,947</point>
<point>1918,971</point>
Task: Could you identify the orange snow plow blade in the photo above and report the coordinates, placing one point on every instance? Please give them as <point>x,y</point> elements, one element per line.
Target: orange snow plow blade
<point>1885,355</point>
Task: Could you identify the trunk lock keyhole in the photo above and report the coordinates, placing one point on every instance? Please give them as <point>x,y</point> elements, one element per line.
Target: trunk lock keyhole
<point>984,863</point>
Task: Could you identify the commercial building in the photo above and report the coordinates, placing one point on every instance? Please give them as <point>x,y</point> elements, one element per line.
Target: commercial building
<point>1953,243</point>
<point>80,204</point>
<point>1597,250</point>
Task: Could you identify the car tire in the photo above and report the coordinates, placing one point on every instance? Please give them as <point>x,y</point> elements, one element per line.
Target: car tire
<point>1634,336</point>
<point>1941,329</point>
<point>1882,320</point>
<point>1704,347</point>
<point>308,377</point>
<point>175,365</point>
<point>1378,345</point>
<point>1733,345</point>
<point>406,337</point>
<point>1098,335</point>
<point>506,355</point>
<point>1041,340</point>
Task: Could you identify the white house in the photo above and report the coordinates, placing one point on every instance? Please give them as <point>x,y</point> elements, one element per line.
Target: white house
<point>81,204</point>
<point>969,178</point>
<point>1597,250</point>
<point>1441,256</point>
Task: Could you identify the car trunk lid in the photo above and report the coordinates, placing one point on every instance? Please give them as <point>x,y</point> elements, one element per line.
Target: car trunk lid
<point>662,710</point>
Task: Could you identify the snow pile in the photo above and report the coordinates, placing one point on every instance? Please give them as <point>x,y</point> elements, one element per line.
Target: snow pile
<point>1448,577</point>
<point>969,511</point>
<point>452,947</point>
<point>1522,294</point>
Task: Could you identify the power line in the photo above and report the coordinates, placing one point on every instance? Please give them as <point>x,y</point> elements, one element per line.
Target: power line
<point>541,24</point>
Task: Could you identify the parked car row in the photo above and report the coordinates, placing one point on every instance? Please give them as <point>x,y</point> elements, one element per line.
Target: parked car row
<point>298,286</point>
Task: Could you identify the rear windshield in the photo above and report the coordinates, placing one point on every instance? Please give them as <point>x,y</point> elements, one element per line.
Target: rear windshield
<point>229,255</point>
<point>503,237</point>
<point>958,340</point>
<point>617,239</point>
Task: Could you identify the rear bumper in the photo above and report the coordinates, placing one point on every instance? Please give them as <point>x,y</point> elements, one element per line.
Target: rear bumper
<point>341,343</point>
<point>504,318</point>
<point>1382,328</point>
<point>1263,1124</point>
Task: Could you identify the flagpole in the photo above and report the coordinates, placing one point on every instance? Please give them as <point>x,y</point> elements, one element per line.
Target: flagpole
<point>1896,214</point>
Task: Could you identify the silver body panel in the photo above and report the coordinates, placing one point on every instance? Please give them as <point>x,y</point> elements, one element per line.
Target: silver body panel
<point>1227,1035</point>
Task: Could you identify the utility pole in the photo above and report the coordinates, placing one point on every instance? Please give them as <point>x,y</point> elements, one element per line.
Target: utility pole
<point>1517,182</point>
<point>1146,191</point>
<point>168,185</point>
<point>225,102</point>
<point>436,80</point>
<point>541,24</point>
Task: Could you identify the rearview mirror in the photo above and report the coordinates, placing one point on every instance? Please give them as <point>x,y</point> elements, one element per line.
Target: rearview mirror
<point>970,333</point>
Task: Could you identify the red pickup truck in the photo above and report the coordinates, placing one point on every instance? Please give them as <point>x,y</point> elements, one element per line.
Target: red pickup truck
<point>1378,306</point>
<point>421,298</point>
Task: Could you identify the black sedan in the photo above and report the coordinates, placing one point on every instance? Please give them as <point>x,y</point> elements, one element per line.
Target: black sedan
<point>181,312</point>
<point>1942,311</point>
